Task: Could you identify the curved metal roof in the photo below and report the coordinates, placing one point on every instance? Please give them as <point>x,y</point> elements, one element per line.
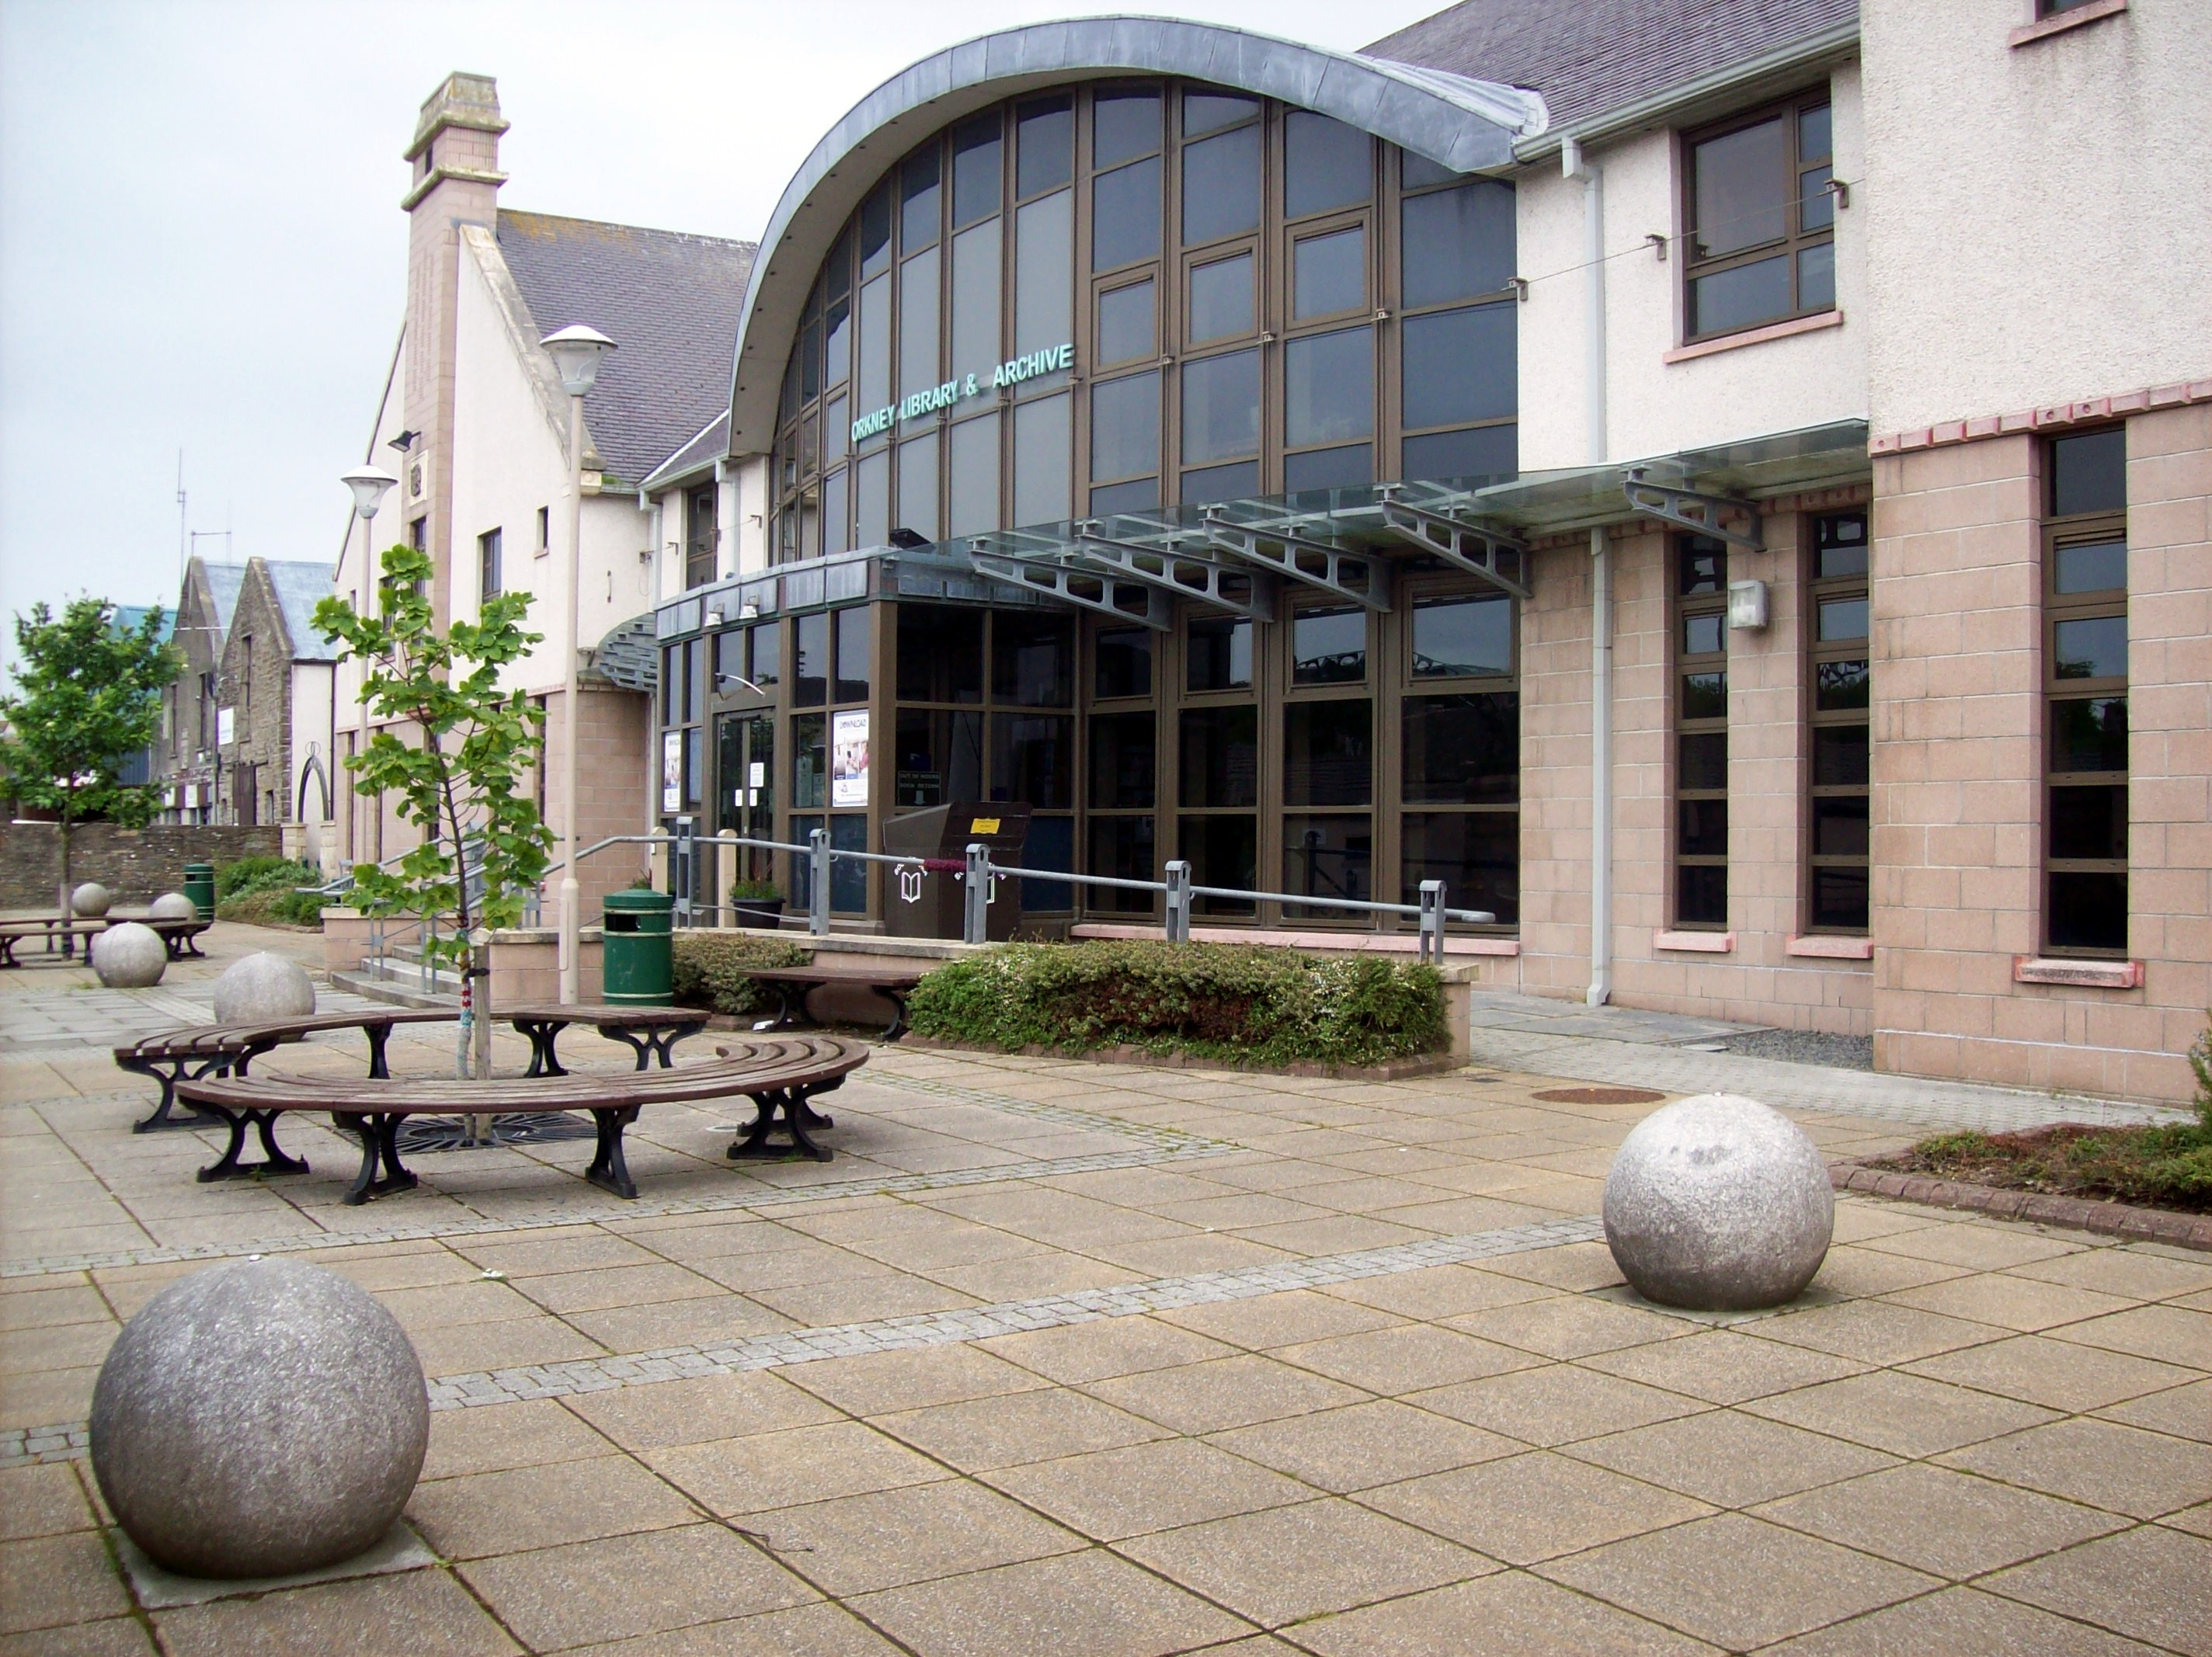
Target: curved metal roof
<point>1465,125</point>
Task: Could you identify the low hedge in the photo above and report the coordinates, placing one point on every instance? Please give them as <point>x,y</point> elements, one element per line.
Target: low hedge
<point>711,968</point>
<point>1271,1007</point>
<point>265,891</point>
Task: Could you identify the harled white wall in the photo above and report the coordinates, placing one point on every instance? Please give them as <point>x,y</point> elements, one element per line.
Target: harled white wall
<point>2036,212</point>
<point>1653,406</point>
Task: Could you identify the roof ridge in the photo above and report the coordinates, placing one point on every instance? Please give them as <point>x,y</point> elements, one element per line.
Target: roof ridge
<point>505,213</point>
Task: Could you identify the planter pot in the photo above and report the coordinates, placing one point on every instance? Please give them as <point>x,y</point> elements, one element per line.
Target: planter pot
<point>758,910</point>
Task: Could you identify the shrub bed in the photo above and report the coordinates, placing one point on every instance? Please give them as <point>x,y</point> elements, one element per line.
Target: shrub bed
<point>711,968</point>
<point>2169,1166</point>
<point>1219,1001</point>
<point>262,892</point>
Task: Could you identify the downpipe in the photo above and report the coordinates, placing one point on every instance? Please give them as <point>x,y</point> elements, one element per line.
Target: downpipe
<point>1574,164</point>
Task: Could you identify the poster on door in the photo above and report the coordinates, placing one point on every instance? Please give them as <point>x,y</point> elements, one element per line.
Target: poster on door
<point>671,771</point>
<point>848,758</point>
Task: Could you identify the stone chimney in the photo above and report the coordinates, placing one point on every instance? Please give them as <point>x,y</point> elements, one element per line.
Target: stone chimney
<point>455,157</point>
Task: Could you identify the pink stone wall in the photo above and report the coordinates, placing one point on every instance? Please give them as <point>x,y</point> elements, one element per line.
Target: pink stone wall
<point>1958,769</point>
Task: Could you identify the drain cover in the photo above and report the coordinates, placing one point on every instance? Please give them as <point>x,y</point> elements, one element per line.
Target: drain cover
<point>1599,1096</point>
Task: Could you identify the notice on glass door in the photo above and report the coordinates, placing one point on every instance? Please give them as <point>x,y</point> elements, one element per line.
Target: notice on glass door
<point>671,771</point>
<point>848,758</point>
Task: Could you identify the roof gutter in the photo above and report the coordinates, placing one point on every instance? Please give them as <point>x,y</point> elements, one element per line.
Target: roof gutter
<point>1833,45</point>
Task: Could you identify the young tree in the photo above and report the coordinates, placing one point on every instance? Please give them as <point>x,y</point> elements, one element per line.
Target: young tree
<point>457,779</point>
<point>88,695</point>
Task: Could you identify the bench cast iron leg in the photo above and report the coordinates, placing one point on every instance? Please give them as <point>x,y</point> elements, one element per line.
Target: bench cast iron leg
<point>230,1168</point>
<point>379,1141</point>
<point>543,1032</point>
<point>805,1112</point>
<point>897,1028</point>
<point>168,1078</point>
<point>610,1170</point>
<point>789,1105</point>
<point>639,1042</point>
<point>378,1035</point>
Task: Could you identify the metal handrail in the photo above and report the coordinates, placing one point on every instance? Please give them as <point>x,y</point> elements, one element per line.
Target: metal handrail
<point>980,875</point>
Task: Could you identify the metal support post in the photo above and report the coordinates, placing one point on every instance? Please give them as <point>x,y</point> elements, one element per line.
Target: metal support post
<point>1433,922</point>
<point>975,909</point>
<point>684,871</point>
<point>1178,904</point>
<point>818,882</point>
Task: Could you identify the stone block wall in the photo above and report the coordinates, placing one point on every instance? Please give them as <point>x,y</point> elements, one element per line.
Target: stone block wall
<point>136,865</point>
<point>1959,766</point>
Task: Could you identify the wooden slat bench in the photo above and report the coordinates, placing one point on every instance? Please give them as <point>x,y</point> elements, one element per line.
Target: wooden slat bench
<point>793,984</point>
<point>778,1074</point>
<point>48,927</point>
<point>650,1032</point>
<point>203,1050</point>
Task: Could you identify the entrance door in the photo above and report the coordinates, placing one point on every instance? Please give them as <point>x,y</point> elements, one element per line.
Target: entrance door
<point>744,788</point>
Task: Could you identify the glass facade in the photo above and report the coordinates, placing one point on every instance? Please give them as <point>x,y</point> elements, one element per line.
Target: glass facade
<point>1130,297</point>
<point>1127,299</point>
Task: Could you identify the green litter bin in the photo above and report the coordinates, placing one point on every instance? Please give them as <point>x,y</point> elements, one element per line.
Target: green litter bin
<point>639,948</point>
<point>199,886</point>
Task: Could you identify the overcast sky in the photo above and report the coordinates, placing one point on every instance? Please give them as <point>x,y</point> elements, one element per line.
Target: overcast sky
<point>201,246</point>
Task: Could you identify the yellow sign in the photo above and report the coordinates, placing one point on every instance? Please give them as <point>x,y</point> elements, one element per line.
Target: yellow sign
<point>984,826</point>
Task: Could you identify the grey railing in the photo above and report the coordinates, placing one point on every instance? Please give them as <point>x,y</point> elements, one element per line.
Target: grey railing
<point>979,875</point>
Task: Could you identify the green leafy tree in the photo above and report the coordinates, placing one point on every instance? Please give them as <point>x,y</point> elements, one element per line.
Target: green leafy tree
<point>88,695</point>
<point>457,777</point>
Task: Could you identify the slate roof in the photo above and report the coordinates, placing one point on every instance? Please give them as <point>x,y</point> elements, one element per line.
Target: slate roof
<point>671,303</point>
<point>224,582</point>
<point>1587,57</point>
<point>710,446</point>
<point>298,587</point>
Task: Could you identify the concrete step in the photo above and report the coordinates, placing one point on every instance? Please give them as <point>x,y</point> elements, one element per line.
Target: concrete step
<point>404,991</point>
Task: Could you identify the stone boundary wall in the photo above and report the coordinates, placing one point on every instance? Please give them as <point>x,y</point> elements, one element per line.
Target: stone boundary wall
<point>134,864</point>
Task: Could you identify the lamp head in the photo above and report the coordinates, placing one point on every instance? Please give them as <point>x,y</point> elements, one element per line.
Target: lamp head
<point>368,484</point>
<point>576,351</point>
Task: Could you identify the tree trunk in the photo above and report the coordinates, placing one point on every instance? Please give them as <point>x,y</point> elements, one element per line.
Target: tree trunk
<point>483,1012</point>
<point>62,904</point>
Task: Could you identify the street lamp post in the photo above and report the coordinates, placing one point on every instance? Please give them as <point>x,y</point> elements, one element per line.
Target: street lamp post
<point>575,351</point>
<point>369,485</point>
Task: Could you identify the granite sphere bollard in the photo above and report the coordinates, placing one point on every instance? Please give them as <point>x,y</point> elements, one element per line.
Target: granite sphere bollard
<point>1718,1203</point>
<point>264,985</point>
<point>129,956</point>
<point>258,1419</point>
<point>174,906</point>
<point>91,899</point>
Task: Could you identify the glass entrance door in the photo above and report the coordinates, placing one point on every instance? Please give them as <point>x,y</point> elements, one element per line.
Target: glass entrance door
<point>744,789</point>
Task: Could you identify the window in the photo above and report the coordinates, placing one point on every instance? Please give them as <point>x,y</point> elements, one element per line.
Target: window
<point>1126,328</point>
<point>1220,426</point>
<point>1326,165</point>
<point>1459,362</point>
<point>1701,734</point>
<point>544,531</point>
<point>1460,754</point>
<point>2085,600</point>
<point>488,571</point>
<point>1221,300</point>
<point>1124,443</point>
<point>700,538</point>
<point>1837,810</point>
<point>1220,172</point>
<point>1761,244</point>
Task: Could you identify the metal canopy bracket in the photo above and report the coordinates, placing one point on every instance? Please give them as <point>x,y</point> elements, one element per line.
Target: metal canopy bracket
<point>1357,576</point>
<point>1187,574</point>
<point>1687,509</point>
<point>1471,546</point>
<point>1126,601</point>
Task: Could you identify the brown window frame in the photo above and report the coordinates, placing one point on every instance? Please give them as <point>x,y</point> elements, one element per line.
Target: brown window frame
<point>1818,653</point>
<point>1392,808</point>
<point>1795,239</point>
<point>2079,529</point>
<point>1686,607</point>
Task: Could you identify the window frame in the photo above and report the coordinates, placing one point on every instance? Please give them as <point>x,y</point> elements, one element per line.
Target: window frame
<point>2078,529</point>
<point>1818,653</point>
<point>1795,239</point>
<point>1682,661</point>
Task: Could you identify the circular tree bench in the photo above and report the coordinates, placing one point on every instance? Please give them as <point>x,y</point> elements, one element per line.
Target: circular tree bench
<point>203,1050</point>
<point>778,1074</point>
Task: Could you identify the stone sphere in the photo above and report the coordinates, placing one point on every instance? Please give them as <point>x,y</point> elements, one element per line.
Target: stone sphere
<point>129,956</point>
<point>90,900</point>
<point>258,1419</point>
<point>1718,1203</point>
<point>264,985</point>
<point>174,906</point>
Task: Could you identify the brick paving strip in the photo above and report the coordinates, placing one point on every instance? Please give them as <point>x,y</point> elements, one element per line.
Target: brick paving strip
<point>66,1441</point>
<point>1154,1146</point>
<point>2075,1213</point>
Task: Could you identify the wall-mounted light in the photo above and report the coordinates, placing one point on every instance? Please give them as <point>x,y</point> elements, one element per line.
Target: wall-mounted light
<point>1747,605</point>
<point>1658,246</point>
